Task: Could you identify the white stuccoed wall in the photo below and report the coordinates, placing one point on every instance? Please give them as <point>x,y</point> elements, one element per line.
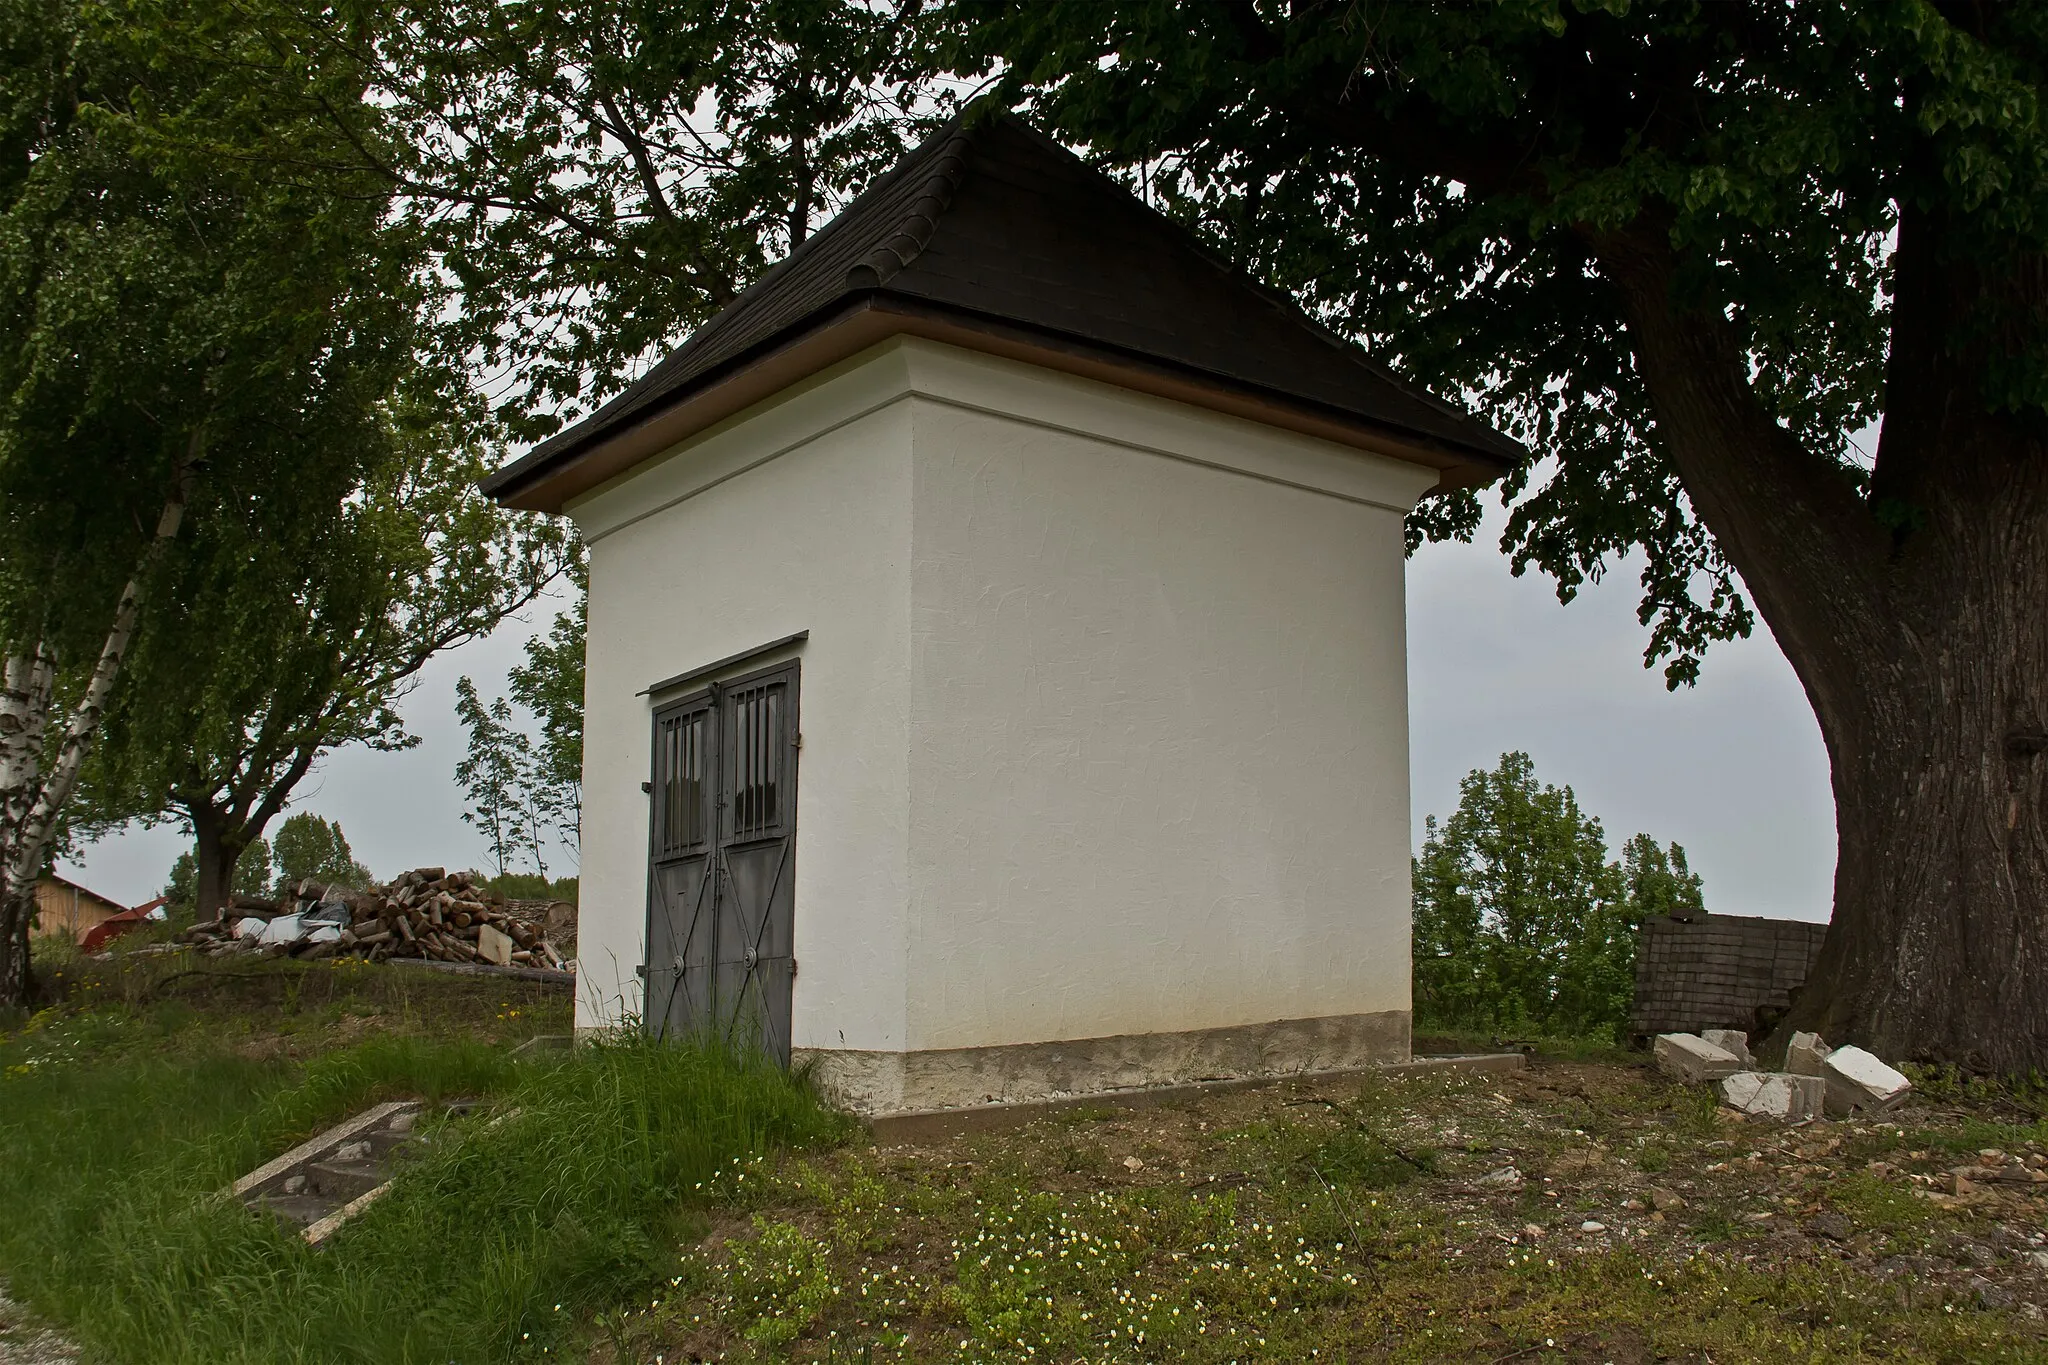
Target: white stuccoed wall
<point>1104,702</point>
<point>797,518</point>
<point>1159,734</point>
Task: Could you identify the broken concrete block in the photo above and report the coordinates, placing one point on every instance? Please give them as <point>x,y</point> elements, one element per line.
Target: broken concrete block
<point>1775,1094</point>
<point>1805,1055</point>
<point>1695,1061</point>
<point>1730,1040</point>
<point>1856,1079</point>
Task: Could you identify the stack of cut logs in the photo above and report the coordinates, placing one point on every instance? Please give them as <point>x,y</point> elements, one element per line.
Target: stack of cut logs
<point>426,913</point>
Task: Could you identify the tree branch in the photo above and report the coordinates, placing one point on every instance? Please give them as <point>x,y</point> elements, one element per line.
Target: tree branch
<point>1787,518</point>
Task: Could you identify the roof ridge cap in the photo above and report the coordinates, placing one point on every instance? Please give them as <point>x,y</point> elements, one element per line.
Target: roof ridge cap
<point>920,220</point>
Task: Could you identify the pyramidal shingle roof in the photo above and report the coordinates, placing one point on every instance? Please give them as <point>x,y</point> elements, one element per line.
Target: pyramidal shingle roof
<point>992,224</point>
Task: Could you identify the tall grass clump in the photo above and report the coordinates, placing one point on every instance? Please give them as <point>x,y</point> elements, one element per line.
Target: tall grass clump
<point>567,1193</point>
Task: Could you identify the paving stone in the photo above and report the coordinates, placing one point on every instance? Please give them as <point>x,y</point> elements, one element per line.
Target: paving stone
<point>23,1341</point>
<point>1691,1059</point>
<point>1858,1080</point>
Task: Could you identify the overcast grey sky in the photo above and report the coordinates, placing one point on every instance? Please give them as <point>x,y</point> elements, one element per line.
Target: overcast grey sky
<point>1732,769</point>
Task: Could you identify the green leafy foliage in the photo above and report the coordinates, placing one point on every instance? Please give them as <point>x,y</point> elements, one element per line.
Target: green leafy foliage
<point>195,347</point>
<point>493,775</point>
<point>597,180</point>
<point>275,649</point>
<point>532,886</point>
<point>524,794</point>
<point>168,303</point>
<point>308,846</point>
<point>550,685</point>
<point>1521,921</point>
<point>1446,182</point>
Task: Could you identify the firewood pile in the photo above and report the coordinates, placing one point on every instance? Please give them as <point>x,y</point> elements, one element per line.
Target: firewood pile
<point>427,913</point>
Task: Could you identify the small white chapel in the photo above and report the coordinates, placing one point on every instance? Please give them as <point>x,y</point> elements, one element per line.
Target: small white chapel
<point>997,679</point>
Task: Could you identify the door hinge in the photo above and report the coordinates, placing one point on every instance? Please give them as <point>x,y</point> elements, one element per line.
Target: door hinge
<point>647,786</point>
<point>641,971</point>
<point>796,741</point>
<point>792,969</point>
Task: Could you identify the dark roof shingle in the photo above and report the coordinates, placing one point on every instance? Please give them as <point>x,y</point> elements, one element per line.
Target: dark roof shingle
<point>991,220</point>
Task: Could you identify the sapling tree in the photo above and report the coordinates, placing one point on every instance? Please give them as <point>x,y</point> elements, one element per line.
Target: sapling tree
<point>496,779</point>
<point>525,794</point>
<point>549,685</point>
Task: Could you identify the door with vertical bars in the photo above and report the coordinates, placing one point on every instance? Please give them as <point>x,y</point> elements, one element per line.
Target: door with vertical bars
<point>722,883</point>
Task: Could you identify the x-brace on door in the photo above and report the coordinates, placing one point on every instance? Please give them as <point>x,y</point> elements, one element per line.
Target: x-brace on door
<point>722,879</point>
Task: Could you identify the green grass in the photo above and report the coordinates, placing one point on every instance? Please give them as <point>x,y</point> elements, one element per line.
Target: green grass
<point>124,1113</point>
<point>861,1264</point>
<point>1435,1038</point>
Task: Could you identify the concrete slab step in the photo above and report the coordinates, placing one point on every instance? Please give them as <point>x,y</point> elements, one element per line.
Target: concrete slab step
<point>323,1182</point>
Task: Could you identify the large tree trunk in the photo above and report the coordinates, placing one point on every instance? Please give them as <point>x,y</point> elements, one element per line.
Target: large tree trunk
<point>1916,616</point>
<point>216,851</point>
<point>1939,946</point>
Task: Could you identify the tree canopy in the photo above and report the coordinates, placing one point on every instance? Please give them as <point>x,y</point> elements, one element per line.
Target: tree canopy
<point>311,847</point>
<point>272,650</point>
<point>598,179</point>
<point>193,339</point>
<point>1687,253</point>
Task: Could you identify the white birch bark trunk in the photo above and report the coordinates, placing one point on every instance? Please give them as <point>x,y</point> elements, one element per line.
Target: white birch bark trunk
<point>35,781</point>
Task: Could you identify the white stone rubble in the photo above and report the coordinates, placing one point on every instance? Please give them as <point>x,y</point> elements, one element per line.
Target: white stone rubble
<point>1732,1041</point>
<point>1857,1079</point>
<point>1806,1054</point>
<point>1777,1095</point>
<point>283,929</point>
<point>1693,1060</point>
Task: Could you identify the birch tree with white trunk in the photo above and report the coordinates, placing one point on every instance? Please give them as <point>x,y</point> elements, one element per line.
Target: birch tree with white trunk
<point>188,334</point>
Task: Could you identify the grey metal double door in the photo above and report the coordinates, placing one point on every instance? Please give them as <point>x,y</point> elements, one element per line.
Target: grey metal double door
<point>720,938</point>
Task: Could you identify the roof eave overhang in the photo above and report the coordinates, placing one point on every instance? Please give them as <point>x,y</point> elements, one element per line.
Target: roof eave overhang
<point>546,481</point>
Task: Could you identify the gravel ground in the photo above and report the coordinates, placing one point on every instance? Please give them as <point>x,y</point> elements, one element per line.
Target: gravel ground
<point>23,1341</point>
<point>1587,1212</point>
